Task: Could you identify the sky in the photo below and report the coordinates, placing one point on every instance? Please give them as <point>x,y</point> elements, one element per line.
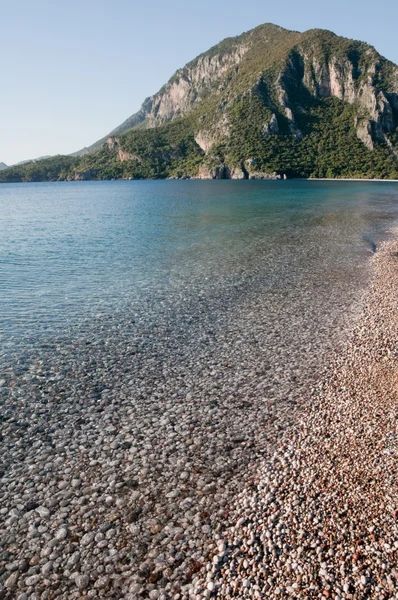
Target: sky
<point>72,70</point>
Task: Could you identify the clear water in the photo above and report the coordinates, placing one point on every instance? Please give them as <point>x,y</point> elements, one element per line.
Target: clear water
<point>73,253</point>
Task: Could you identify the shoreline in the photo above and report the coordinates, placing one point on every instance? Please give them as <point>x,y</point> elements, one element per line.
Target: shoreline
<point>122,484</point>
<point>320,519</point>
<point>174,179</point>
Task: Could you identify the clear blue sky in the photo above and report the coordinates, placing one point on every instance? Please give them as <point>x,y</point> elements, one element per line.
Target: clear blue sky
<point>72,70</point>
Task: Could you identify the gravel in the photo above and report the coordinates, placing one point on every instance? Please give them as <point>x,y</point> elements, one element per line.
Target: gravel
<point>320,518</point>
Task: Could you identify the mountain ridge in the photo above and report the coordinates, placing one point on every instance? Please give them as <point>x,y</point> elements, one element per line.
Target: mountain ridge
<point>267,102</point>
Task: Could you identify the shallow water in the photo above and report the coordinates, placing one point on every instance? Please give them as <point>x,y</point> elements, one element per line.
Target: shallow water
<point>159,339</point>
<point>71,252</point>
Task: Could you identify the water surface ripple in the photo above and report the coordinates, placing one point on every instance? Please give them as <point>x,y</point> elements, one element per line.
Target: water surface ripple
<point>71,252</point>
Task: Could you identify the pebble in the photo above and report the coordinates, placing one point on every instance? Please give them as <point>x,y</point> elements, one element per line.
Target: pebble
<point>32,580</point>
<point>61,534</point>
<point>47,568</point>
<point>87,538</point>
<point>43,512</point>
<point>82,581</point>
<point>11,581</point>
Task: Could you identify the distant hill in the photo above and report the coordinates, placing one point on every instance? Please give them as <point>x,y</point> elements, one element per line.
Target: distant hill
<point>24,162</point>
<point>3,166</point>
<point>266,103</point>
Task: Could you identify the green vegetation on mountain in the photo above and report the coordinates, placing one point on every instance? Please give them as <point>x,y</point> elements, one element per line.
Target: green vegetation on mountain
<point>267,102</point>
<point>49,169</point>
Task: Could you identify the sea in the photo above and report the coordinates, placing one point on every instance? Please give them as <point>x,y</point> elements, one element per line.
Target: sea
<point>78,258</point>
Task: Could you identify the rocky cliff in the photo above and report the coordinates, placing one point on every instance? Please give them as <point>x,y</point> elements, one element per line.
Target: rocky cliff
<point>358,76</point>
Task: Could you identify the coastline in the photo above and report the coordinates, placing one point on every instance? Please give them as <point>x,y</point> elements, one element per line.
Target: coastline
<point>320,519</point>
<point>194,178</point>
<point>189,178</point>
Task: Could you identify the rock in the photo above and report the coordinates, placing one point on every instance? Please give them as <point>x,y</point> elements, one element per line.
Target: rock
<point>236,173</point>
<point>218,172</point>
<point>12,580</point>
<point>82,581</point>
<point>43,512</point>
<point>272,127</point>
<point>172,494</point>
<point>73,559</point>
<point>87,538</point>
<point>47,568</point>
<point>32,580</point>
<point>61,534</point>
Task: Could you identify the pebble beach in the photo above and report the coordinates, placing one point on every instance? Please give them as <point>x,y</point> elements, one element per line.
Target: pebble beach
<point>320,519</point>
<point>156,471</point>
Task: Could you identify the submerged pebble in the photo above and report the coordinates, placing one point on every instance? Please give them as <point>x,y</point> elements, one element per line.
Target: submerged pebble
<point>163,452</point>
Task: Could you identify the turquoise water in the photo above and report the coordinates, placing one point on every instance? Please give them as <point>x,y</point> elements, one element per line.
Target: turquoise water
<point>73,253</point>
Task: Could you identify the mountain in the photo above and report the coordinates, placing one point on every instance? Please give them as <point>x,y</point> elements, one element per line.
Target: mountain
<point>266,103</point>
<point>3,166</point>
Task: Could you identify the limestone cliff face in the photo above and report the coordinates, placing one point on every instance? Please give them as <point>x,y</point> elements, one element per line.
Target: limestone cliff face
<point>272,127</point>
<point>314,69</point>
<point>84,175</point>
<point>325,76</point>
<point>218,132</point>
<point>205,140</point>
<point>336,78</point>
<point>247,170</point>
<point>114,144</point>
<point>320,76</point>
<point>123,156</point>
<point>188,85</point>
